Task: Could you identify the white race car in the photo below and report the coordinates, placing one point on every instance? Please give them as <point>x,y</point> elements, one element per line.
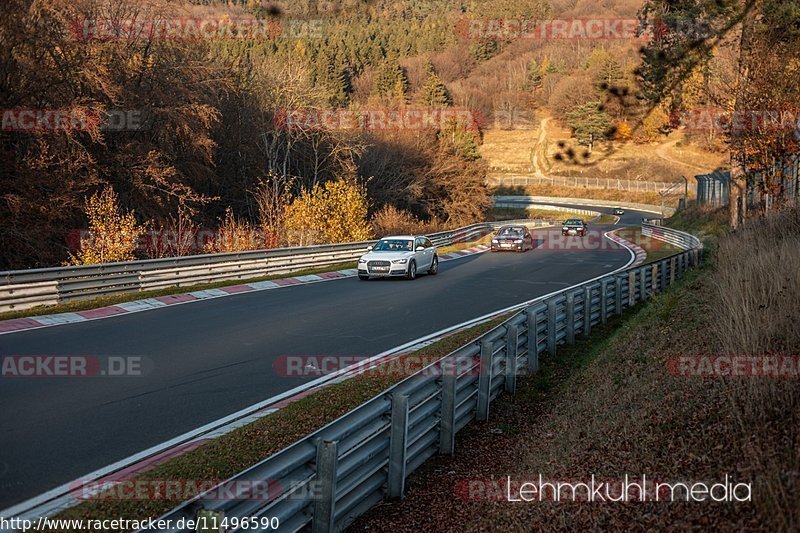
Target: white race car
<point>403,255</point>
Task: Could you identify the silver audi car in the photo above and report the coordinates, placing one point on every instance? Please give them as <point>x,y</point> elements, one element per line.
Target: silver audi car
<point>403,255</point>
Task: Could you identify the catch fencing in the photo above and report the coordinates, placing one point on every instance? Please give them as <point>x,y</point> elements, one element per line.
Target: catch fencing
<point>765,187</point>
<point>592,183</point>
<point>324,481</point>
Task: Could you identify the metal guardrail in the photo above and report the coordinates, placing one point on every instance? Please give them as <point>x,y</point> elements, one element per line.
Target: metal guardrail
<point>655,230</point>
<point>579,181</point>
<point>22,289</point>
<point>324,481</point>
<point>523,201</point>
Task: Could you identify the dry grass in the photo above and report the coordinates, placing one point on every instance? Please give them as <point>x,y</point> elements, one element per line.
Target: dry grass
<point>393,221</point>
<point>756,308</point>
<point>510,152</point>
<point>509,149</point>
<point>500,214</point>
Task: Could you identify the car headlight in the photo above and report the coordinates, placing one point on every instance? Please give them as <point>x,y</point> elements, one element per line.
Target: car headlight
<point>517,241</point>
<point>565,228</point>
<point>362,261</point>
<point>400,261</point>
<point>495,241</point>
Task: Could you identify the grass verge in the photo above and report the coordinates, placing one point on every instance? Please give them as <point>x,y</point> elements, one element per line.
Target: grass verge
<point>656,249</point>
<point>500,214</point>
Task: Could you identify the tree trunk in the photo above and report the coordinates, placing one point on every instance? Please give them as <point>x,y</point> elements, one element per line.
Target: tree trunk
<point>737,195</point>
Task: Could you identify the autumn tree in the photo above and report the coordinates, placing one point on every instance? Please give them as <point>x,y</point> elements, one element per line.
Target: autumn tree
<point>589,124</point>
<point>609,73</point>
<point>433,92</point>
<point>234,235</point>
<point>113,235</point>
<point>533,76</point>
<point>763,41</point>
<point>390,82</point>
<point>331,213</point>
<point>623,132</point>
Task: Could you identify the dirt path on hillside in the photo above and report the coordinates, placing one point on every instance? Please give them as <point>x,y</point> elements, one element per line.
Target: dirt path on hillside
<point>540,149</point>
<point>660,152</point>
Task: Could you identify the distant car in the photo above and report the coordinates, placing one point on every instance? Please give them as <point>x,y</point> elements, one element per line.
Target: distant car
<point>619,211</point>
<point>512,238</point>
<point>574,226</point>
<point>403,255</point>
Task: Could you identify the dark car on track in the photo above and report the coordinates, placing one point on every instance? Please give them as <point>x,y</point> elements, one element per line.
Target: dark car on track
<point>574,226</point>
<point>516,238</point>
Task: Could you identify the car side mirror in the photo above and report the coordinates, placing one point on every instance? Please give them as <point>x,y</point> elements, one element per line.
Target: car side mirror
<point>420,248</point>
<point>369,248</point>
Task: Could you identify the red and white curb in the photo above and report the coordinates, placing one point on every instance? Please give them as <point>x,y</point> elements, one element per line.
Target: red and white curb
<point>147,304</point>
<point>639,252</point>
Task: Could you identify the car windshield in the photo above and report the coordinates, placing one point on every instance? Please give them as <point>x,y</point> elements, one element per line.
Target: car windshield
<point>510,232</point>
<point>573,222</point>
<point>394,245</point>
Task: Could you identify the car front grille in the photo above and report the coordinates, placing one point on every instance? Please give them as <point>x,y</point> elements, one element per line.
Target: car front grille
<point>379,266</point>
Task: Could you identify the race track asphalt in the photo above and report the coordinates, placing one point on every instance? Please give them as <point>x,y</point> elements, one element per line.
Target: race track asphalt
<point>211,358</point>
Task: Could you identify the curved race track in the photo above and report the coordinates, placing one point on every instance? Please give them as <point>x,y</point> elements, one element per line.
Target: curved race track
<point>213,357</point>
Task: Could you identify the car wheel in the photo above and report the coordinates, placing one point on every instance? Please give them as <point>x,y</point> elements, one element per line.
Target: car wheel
<point>411,273</point>
<point>434,269</point>
<point>362,277</point>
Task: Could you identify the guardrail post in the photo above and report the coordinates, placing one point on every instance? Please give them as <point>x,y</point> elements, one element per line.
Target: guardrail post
<point>484,382</point>
<point>512,338</point>
<point>654,280</point>
<point>551,325</point>
<point>672,267</point>
<point>618,296</point>
<point>447,422</point>
<point>533,342</point>
<point>643,284</point>
<point>663,268</point>
<point>631,288</point>
<point>603,300</point>
<point>327,457</point>
<point>587,310</point>
<point>397,445</point>
<point>570,317</point>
